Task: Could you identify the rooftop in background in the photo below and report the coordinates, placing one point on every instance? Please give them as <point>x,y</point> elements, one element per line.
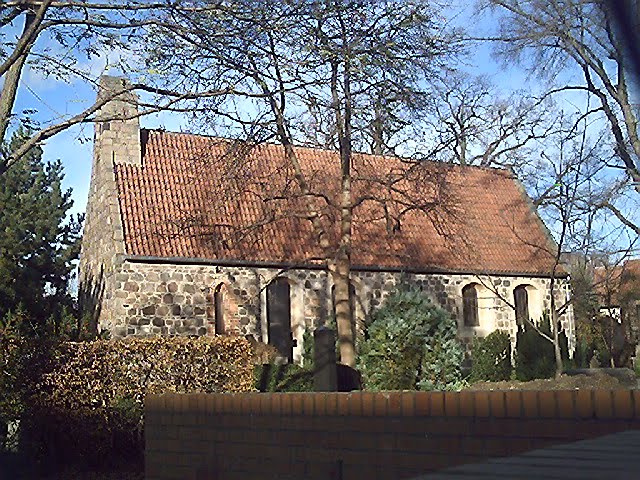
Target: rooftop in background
<point>203,197</point>
<point>616,283</point>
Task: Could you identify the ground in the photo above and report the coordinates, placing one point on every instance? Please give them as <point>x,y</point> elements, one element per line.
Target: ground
<point>16,468</point>
<point>596,380</point>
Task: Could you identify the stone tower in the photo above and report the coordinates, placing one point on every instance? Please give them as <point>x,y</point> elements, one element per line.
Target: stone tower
<point>116,141</point>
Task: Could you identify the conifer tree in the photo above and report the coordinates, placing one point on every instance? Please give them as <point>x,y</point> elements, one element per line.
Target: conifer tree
<point>38,240</point>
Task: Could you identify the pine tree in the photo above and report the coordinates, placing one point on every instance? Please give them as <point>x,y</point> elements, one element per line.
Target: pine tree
<point>38,241</point>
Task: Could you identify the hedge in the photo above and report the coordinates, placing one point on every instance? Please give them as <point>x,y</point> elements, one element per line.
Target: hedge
<point>88,405</point>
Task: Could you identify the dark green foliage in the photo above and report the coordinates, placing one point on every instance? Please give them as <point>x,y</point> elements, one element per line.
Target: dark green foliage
<point>307,348</point>
<point>23,361</point>
<point>535,356</point>
<point>583,353</point>
<point>491,358</point>
<point>283,378</point>
<point>38,243</point>
<point>567,362</point>
<point>411,345</point>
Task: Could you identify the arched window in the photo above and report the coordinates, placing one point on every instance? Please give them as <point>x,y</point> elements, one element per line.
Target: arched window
<point>279,316</point>
<point>521,298</point>
<point>218,304</point>
<point>470,306</point>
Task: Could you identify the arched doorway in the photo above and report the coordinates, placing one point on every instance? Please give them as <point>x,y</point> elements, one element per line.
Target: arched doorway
<point>279,317</point>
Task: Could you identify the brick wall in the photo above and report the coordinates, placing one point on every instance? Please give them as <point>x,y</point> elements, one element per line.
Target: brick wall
<point>365,435</point>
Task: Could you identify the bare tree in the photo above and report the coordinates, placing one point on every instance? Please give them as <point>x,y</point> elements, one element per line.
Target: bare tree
<point>567,189</point>
<point>59,40</point>
<point>319,62</point>
<point>579,36</point>
<point>474,124</point>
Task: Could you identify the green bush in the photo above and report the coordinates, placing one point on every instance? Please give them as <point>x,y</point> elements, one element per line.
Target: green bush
<point>491,358</point>
<point>535,357</point>
<point>86,406</point>
<point>411,344</point>
<point>283,378</point>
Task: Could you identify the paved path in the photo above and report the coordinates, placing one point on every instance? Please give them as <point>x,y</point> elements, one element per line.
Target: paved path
<point>611,457</point>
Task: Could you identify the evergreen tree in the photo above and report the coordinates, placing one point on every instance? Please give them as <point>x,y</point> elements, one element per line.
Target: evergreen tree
<point>411,345</point>
<point>38,241</point>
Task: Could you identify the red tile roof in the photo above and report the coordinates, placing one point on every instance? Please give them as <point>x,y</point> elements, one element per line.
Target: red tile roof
<point>201,197</point>
<point>617,284</point>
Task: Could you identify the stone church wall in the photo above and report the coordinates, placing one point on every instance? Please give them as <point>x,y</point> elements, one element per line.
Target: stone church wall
<point>178,299</point>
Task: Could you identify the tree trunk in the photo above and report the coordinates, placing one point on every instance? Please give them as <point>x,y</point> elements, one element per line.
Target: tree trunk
<point>555,331</point>
<point>340,271</point>
<point>12,79</point>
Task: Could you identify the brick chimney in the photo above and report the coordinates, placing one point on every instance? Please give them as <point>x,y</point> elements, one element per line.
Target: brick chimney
<point>116,142</point>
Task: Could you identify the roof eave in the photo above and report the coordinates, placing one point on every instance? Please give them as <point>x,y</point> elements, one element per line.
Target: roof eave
<point>230,262</point>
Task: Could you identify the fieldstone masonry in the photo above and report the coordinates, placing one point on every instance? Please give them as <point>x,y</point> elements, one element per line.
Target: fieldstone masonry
<point>116,140</point>
<point>177,299</point>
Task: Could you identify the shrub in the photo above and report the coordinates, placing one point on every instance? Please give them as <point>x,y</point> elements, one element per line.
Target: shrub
<point>283,378</point>
<point>535,357</point>
<point>491,358</point>
<point>262,353</point>
<point>411,345</point>
<point>23,361</point>
<point>88,405</point>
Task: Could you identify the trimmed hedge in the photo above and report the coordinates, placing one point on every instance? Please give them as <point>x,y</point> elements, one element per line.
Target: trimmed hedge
<point>491,358</point>
<point>88,405</point>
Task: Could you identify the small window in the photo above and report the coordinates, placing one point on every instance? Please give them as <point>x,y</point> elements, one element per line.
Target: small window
<point>470,306</point>
<point>218,302</point>
<point>521,298</point>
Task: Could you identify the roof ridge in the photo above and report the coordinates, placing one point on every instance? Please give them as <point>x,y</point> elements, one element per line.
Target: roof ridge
<point>507,171</point>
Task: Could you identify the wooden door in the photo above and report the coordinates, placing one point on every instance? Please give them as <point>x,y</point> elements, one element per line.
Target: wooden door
<point>279,317</point>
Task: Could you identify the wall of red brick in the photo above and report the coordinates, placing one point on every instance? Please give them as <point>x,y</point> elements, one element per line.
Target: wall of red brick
<point>365,435</point>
